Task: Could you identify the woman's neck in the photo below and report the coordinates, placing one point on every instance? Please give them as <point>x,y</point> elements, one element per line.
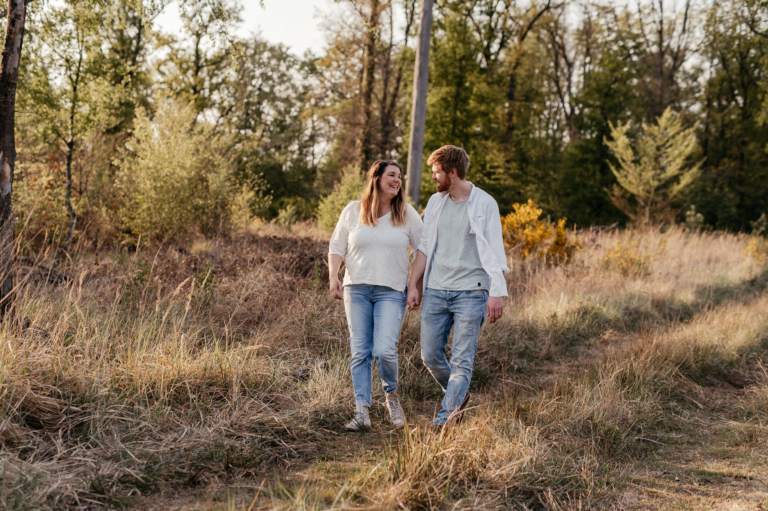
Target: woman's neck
<point>384,208</point>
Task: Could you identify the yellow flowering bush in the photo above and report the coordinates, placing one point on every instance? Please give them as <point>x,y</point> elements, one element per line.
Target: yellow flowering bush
<point>627,260</point>
<point>757,249</point>
<point>535,237</point>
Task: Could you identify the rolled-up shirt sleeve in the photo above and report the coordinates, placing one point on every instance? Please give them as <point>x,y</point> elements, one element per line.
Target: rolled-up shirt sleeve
<point>426,229</point>
<point>415,228</point>
<point>340,238</point>
<point>493,233</point>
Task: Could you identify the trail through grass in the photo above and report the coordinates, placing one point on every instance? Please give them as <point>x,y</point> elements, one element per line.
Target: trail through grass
<point>219,380</point>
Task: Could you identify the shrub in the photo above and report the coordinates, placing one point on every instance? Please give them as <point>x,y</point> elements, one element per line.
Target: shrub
<point>535,237</point>
<point>694,221</point>
<point>627,260</point>
<point>287,216</point>
<point>350,188</point>
<point>757,249</point>
<point>175,174</point>
<point>757,246</point>
<point>249,200</point>
<point>38,198</point>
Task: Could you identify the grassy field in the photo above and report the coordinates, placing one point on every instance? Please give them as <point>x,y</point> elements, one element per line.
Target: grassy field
<point>215,376</point>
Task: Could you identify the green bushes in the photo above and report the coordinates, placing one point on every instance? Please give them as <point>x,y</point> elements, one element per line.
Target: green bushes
<point>174,173</point>
<point>350,188</point>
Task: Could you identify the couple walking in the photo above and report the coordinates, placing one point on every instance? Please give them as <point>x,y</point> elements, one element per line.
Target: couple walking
<point>457,278</point>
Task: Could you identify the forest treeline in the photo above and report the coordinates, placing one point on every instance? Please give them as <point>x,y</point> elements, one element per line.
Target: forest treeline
<point>127,130</point>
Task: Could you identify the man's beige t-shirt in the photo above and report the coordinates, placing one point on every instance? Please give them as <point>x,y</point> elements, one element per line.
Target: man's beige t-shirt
<point>456,265</point>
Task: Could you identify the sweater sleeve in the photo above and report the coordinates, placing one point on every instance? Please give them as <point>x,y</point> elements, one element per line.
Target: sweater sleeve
<point>340,238</point>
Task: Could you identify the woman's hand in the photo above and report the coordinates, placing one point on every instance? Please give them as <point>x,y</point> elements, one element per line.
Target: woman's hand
<point>414,298</point>
<point>334,263</point>
<point>336,289</point>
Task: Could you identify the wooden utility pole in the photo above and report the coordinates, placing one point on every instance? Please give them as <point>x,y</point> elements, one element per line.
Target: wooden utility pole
<point>419,110</point>
<point>14,34</point>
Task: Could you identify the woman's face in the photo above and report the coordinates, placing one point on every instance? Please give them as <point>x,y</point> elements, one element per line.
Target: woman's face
<point>389,183</point>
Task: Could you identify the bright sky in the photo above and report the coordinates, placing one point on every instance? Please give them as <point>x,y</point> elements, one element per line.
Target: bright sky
<point>295,23</point>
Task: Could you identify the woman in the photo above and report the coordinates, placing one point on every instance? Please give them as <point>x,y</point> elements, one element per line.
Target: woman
<point>372,238</point>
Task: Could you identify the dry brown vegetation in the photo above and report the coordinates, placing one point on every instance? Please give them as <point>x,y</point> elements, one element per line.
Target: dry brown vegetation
<point>215,376</point>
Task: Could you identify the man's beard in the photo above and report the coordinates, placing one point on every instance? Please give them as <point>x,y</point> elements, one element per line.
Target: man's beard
<point>443,186</point>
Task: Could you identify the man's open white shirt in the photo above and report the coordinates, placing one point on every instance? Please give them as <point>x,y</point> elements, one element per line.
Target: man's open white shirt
<point>485,224</point>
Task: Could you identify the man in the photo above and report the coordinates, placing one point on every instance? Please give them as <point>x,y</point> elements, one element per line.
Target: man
<point>462,261</point>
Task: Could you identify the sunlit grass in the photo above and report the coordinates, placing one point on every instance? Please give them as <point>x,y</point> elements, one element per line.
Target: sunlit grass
<point>125,385</point>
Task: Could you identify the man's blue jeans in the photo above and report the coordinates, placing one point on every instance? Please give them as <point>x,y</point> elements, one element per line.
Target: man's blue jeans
<point>441,310</point>
<point>374,316</point>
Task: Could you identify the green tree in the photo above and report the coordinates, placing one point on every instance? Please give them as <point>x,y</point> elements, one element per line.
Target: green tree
<point>588,72</point>
<point>264,107</point>
<point>734,135</point>
<point>61,89</point>
<point>195,68</point>
<point>656,173</point>
<point>359,87</point>
<point>128,36</point>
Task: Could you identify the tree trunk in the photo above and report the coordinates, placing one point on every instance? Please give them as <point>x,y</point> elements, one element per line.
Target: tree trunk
<point>14,35</point>
<point>419,110</point>
<point>369,67</point>
<point>511,121</point>
<point>68,195</point>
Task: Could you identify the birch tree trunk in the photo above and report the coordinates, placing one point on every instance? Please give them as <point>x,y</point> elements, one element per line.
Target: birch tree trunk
<point>14,34</point>
<point>419,110</point>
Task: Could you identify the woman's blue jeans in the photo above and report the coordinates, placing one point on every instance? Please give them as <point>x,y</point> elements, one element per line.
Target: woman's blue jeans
<point>374,315</point>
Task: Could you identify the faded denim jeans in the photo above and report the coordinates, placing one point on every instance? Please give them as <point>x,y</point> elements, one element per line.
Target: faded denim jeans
<point>374,315</point>
<point>440,311</point>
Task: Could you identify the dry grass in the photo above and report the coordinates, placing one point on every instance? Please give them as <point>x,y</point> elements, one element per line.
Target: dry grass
<point>160,379</point>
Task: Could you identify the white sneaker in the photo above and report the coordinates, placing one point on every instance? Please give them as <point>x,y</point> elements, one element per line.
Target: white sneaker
<point>361,421</point>
<point>395,410</point>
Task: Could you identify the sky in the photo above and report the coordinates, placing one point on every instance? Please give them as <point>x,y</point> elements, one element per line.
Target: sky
<point>295,23</point>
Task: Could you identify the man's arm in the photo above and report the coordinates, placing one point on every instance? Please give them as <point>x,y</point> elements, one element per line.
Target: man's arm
<point>414,283</point>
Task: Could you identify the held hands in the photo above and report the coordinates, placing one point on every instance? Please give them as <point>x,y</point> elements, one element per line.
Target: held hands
<point>336,289</point>
<point>414,297</point>
<point>495,308</point>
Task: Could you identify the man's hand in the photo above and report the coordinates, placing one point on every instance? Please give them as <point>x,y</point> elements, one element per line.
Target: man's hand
<point>414,298</point>
<point>495,308</point>
<point>336,289</point>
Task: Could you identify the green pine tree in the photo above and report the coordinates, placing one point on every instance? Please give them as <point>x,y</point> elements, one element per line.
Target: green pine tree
<point>657,171</point>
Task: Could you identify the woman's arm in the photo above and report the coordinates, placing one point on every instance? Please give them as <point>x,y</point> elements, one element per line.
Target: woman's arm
<point>337,251</point>
<point>334,263</point>
<point>416,280</point>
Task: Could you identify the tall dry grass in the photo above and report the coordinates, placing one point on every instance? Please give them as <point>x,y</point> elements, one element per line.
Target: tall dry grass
<point>176,370</point>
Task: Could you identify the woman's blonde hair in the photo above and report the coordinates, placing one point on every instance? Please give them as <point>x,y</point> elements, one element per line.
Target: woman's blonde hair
<point>369,204</point>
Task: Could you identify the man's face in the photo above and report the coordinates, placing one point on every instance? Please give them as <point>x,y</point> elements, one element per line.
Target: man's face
<point>441,178</point>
